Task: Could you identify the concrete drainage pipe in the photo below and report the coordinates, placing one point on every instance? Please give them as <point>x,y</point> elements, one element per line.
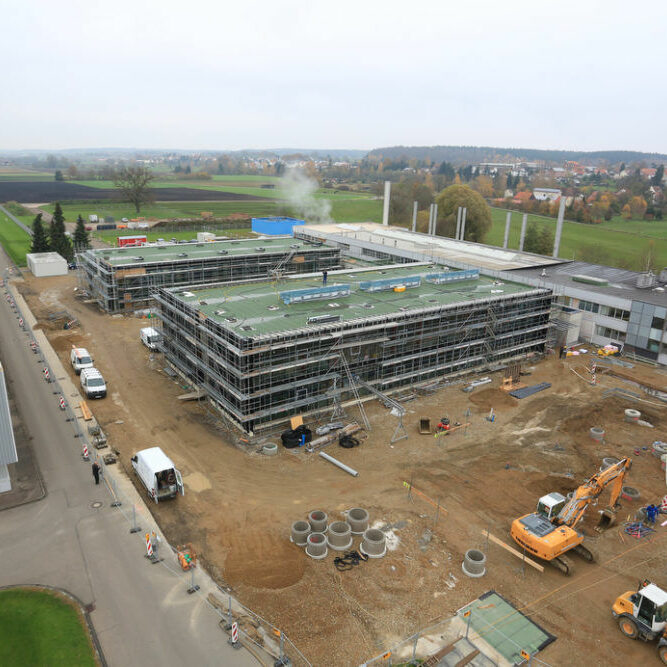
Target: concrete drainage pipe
<point>300,532</point>
<point>597,433</point>
<point>270,449</point>
<point>358,520</point>
<point>339,536</point>
<point>316,546</point>
<point>474,563</point>
<point>630,493</point>
<point>632,415</point>
<point>373,543</point>
<point>659,448</point>
<point>607,462</point>
<point>318,521</point>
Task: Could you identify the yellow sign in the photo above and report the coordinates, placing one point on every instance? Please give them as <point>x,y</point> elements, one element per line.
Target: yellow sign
<point>525,655</point>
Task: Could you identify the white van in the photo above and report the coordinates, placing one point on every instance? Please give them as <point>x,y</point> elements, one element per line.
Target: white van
<point>80,359</point>
<point>93,383</point>
<point>158,474</point>
<point>150,337</point>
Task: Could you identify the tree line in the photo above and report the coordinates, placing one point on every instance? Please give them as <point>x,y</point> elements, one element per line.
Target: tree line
<point>54,239</point>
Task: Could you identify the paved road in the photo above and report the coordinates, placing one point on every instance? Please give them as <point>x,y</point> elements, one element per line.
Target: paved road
<point>143,614</point>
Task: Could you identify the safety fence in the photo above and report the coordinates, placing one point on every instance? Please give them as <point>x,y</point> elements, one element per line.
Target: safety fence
<point>461,637</point>
<point>246,628</point>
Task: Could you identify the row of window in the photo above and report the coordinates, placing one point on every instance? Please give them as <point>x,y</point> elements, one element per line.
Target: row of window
<point>612,334</point>
<point>608,311</point>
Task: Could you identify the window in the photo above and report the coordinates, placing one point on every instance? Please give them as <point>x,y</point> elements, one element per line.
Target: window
<point>616,313</point>
<point>658,323</point>
<point>589,306</point>
<point>612,334</point>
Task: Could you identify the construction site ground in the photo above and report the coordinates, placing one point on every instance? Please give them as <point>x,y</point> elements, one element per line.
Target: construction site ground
<point>238,506</point>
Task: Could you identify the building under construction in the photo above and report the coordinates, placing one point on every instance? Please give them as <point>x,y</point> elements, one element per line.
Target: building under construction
<point>123,279</point>
<point>265,351</point>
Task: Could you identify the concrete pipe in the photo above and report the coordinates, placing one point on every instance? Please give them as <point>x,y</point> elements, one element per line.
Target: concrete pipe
<point>318,521</point>
<point>607,462</point>
<point>597,433</point>
<point>474,563</point>
<point>316,546</point>
<point>339,536</point>
<point>358,520</point>
<point>300,532</point>
<point>632,415</point>
<point>630,493</point>
<point>270,449</point>
<point>663,461</point>
<point>373,543</point>
<point>659,448</point>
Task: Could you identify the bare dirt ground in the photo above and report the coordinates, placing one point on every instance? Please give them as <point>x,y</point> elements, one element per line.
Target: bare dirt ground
<point>238,507</point>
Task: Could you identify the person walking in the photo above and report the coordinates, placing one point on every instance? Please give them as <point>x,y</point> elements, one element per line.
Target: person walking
<point>96,472</point>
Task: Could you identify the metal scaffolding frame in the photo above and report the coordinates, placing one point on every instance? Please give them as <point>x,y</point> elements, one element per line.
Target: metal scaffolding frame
<point>260,381</point>
<point>130,286</point>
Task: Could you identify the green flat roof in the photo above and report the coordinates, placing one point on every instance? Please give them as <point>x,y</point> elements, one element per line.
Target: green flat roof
<point>169,252</point>
<point>260,307</point>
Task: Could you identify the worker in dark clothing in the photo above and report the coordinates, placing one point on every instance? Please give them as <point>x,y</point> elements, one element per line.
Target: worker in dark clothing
<point>324,277</point>
<point>651,513</point>
<point>96,472</point>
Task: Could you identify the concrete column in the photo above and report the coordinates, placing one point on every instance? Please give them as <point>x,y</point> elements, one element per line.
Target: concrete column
<point>464,213</point>
<point>387,196</point>
<point>458,222</point>
<point>559,225</point>
<point>435,218</point>
<point>507,229</point>
<point>524,222</point>
<point>414,217</point>
<point>430,219</point>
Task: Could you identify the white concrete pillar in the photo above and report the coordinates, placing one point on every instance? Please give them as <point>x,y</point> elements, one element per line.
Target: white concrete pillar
<point>387,196</point>
<point>435,218</point>
<point>458,222</point>
<point>414,217</point>
<point>464,213</point>
<point>559,225</point>
<point>507,229</point>
<point>524,222</point>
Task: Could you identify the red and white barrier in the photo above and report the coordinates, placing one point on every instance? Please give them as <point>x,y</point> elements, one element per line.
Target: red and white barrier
<point>149,546</point>
<point>47,377</point>
<point>61,403</point>
<point>86,456</point>
<point>235,632</point>
<point>21,322</point>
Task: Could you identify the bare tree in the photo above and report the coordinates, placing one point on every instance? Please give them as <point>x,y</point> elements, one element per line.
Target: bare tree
<point>133,184</point>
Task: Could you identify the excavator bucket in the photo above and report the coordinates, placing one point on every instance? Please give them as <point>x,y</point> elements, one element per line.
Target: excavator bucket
<point>607,519</point>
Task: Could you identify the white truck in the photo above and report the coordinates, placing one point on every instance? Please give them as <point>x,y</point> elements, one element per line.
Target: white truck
<point>158,474</point>
<point>80,359</point>
<point>150,337</point>
<point>93,383</point>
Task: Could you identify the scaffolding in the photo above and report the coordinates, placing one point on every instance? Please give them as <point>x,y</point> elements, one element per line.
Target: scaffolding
<point>258,379</point>
<point>124,279</point>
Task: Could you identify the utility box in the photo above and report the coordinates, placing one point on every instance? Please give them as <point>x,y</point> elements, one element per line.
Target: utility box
<point>44,264</point>
<point>205,236</point>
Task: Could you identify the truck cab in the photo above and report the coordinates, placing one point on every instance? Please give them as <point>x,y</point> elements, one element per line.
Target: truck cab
<point>80,359</point>
<point>642,614</point>
<point>150,337</point>
<point>158,474</point>
<point>93,383</point>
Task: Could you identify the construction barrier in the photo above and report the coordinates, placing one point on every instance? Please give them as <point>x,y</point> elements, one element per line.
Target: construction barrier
<point>149,546</point>
<point>61,403</point>
<point>47,377</point>
<point>85,454</point>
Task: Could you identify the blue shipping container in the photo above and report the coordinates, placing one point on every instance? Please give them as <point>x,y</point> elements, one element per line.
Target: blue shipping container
<point>275,226</point>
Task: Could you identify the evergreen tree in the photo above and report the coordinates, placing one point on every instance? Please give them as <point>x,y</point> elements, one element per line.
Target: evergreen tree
<point>59,175</point>
<point>40,242</point>
<point>59,241</point>
<point>531,242</point>
<point>81,240</point>
<point>657,178</point>
<point>545,242</point>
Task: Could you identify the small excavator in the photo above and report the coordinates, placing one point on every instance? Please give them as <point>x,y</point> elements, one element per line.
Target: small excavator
<point>551,532</point>
<point>643,615</point>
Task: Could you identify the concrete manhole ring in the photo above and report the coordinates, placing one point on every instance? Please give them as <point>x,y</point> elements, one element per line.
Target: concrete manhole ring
<point>23,479</point>
<point>96,504</point>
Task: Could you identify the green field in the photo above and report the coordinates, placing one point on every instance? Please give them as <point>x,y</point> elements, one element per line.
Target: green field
<point>39,628</point>
<point>25,176</point>
<point>14,240</point>
<point>602,244</point>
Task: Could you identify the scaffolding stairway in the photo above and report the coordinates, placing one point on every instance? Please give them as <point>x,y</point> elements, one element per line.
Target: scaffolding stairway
<point>396,408</point>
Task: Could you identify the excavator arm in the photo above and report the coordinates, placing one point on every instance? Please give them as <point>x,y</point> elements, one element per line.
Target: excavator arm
<point>573,511</point>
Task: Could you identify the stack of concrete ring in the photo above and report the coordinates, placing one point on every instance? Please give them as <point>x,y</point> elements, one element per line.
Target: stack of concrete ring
<point>317,535</point>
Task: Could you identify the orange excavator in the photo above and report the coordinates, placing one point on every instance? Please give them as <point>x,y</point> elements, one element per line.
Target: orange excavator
<point>551,532</point>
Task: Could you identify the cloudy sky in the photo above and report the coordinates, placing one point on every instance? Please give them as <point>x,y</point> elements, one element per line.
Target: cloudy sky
<point>203,74</point>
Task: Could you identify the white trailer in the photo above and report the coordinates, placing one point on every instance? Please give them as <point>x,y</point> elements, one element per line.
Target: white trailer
<point>158,474</point>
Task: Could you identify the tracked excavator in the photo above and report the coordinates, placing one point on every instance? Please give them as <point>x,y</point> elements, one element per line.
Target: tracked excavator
<point>551,532</point>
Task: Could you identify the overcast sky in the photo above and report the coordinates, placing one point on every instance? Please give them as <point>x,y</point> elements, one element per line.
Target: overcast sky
<point>201,74</point>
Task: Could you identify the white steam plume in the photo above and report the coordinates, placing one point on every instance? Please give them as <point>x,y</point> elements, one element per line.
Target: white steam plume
<point>299,190</point>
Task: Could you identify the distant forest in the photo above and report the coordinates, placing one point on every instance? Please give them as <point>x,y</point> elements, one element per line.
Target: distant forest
<point>473,154</point>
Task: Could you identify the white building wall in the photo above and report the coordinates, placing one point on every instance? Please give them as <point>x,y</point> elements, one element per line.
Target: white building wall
<point>44,264</point>
<point>5,483</point>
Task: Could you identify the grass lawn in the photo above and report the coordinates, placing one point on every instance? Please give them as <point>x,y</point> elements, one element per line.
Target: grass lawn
<point>14,240</point>
<point>25,176</point>
<point>602,244</point>
<point>40,628</point>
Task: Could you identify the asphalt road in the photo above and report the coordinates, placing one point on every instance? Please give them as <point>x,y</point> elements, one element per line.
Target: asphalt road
<point>142,612</point>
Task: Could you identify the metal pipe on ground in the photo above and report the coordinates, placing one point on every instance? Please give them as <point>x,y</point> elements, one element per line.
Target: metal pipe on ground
<point>337,463</point>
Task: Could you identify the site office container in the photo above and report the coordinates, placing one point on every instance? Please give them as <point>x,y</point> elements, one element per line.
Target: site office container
<point>158,474</point>
<point>137,240</point>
